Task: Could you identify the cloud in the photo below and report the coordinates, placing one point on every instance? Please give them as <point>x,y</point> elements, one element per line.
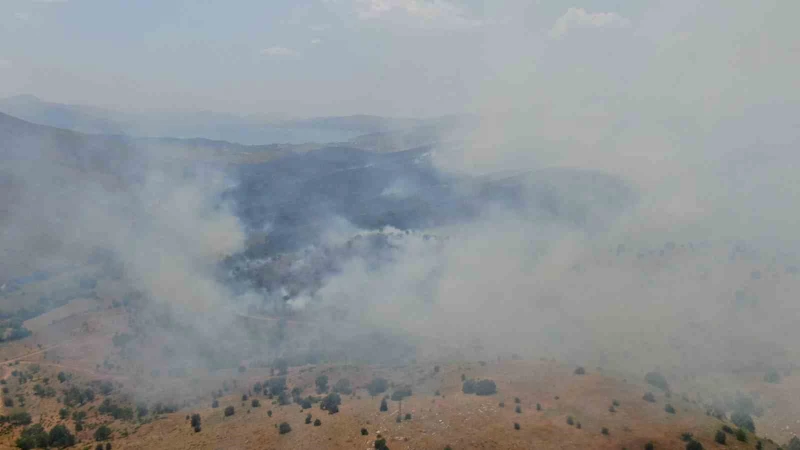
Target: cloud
<point>320,28</point>
<point>580,18</point>
<point>4,63</point>
<point>22,16</point>
<point>279,51</point>
<point>437,13</point>
<point>316,41</point>
<point>49,1</point>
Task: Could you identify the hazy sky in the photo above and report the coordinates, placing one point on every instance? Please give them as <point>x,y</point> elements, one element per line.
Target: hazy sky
<point>395,57</point>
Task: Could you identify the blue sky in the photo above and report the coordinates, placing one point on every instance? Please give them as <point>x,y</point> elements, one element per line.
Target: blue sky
<point>391,57</point>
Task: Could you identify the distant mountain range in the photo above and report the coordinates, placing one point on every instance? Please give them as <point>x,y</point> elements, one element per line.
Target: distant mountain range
<point>248,130</point>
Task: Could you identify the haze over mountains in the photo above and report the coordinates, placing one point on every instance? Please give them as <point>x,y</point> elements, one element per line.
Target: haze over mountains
<point>248,130</point>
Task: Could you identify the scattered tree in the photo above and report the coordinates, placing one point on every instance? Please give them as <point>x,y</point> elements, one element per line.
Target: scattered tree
<point>308,419</point>
<point>284,428</point>
<point>694,445</point>
<point>102,433</point>
<point>255,403</point>
<point>343,386</point>
<point>570,421</point>
<point>384,405</point>
<point>741,435</point>
<point>668,408</point>
<point>743,420</point>
<point>377,386</point>
<point>580,371</point>
<point>720,437</point>
<point>322,384</point>
<point>516,426</point>
<point>518,409</point>
<point>364,432</point>
<point>317,423</point>
<point>604,430</point>
<point>61,437</point>
<point>649,397</point>
<point>229,411</point>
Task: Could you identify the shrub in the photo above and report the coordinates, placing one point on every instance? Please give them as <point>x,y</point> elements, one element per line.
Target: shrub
<point>377,386</point>
<point>255,403</point>
<point>516,426</point>
<point>19,418</point>
<point>741,435</point>
<point>102,433</point>
<point>649,397</point>
<point>669,409</point>
<point>743,420</point>
<point>686,437</point>
<point>215,404</point>
<point>244,397</point>
<point>502,404</point>
<point>32,437</point>
<point>694,445</point>
<point>538,407</point>
<point>61,437</point>
<point>317,423</point>
<point>308,419</point>
<point>727,429</point>
<point>343,387</point>
<point>517,400</point>
<point>408,416</point>
<point>570,421</point>
<point>468,387</point>
<point>322,384</point>
<point>657,380</point>
<point>229,411</point>
<point>485,387</point>
<point>580,371</point>
<point>604,430</point>
<point>398,419</point>
<point>615,403</point>
<point>380,444</point>
<point>284,428</point>
<point>720,437</point>
<point>269,413</point>
<point>364,432</point>
<point>759,445</point>
<point>578,425</point>
<point>611,409</point>
<point>518,409</point>
<point>649,446</point>
<point>794,444</point>
<point>195,420</point>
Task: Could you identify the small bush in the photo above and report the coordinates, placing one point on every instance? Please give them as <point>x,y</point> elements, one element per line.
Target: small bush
<point>308,419</point>
<point>759,445</point>
<point>229,411</point>
<point>408,416</point>
<point>364,432</point>
<point>570,421</point>
<point>741,435</point>
<point>377,386</point>
<point>615,403</point>
<point>669,409</point>
<point>580,371</point>
<point>215,404</point>
<point>502,404</point>
<point>485,387</point>
<point>686,437</point>
<point>694,445</point>
<point>720,437</point>
<point>195,420</point>
<point>516,426</point>
<point>380,444</point>
<point>649,397</point>
<point>518,409</point>
<point>255,403</point>
<point>538,407</point>
<point>468,387</point>
<point>317,423</point>
<point>269,413</point>
<point>743,420</point>
<point>604,430</point>
<point>649,446</point>
<point>516,400</point>
<point>384,405</point>
<point>284,428</point>
<point>611,409</point>
<point>102,433</point>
